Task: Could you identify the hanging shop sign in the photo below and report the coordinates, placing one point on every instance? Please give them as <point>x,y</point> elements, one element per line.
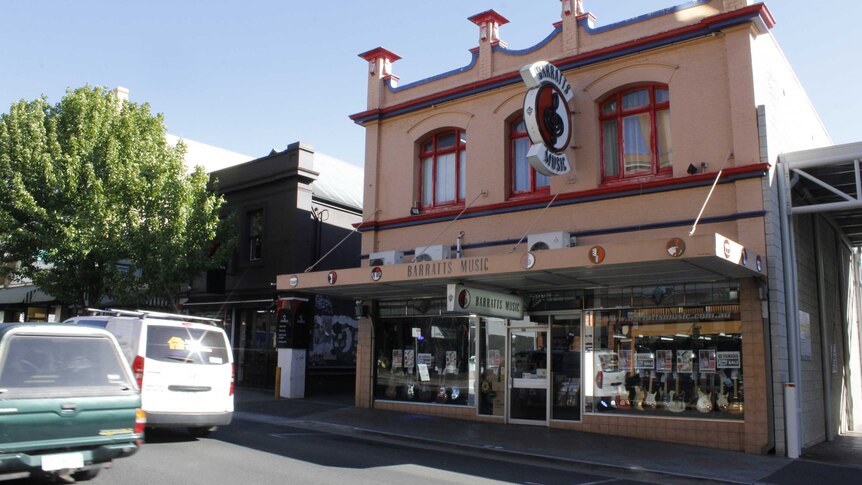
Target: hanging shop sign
<point>464,299</point>
<point>547,117</point>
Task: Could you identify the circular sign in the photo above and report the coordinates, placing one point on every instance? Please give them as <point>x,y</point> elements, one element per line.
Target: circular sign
<point>758,264</point>
<point>293,281</point>
<point>727,249</point>
<point>332,277</point>
<point>464,299</point>
<point>376,273</point>
<point>675,247</point>
<point>528,260</point>
<point>597,254</point>
<point>548,117</point>
<point>744,257</point>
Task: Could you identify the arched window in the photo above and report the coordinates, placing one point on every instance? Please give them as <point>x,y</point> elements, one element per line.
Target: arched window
<point>525,179</point>
<point>443,168</point>
<point>635,125</point>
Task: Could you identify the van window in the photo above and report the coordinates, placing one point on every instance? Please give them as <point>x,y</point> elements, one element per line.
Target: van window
<point>61,361</point>
<point>186,345</point>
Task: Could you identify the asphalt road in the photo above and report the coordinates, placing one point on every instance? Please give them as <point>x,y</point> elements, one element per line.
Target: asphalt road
<point>257,453</point>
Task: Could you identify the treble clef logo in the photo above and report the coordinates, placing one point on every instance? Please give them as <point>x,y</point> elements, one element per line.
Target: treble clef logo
<point>553,121</point>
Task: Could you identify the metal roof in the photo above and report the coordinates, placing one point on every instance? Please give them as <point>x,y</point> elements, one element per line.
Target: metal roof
<point>339,181</point>
<point>829,180</point>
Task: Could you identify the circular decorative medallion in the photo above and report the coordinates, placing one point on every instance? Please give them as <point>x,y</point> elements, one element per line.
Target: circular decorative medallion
<point>528,260</point>
<point>376,273</point>
<point>464,299</point>
<point>332,277</point>
<point>597,254</point>
<point>294,280</point>
<point>675,247</point>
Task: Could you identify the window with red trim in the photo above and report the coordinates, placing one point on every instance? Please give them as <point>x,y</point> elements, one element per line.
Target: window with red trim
<point>443,169</point>
<point>635,127</point>
<point>524,178</point>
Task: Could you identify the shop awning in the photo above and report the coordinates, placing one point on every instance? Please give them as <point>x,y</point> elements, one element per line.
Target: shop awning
<point>701,258</point>
<point>23,294</point>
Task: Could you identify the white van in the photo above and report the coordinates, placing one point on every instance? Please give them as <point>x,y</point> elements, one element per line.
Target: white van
<point>183,365</point>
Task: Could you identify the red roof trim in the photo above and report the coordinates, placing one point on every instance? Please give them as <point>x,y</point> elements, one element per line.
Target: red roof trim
<point>759,9</point>
<point>488,15</point>
<point>379,52</point>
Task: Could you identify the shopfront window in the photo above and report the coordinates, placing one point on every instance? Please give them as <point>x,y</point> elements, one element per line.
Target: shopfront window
<point>672,361</point>
<point>566,367</point>
<point>426,360</point>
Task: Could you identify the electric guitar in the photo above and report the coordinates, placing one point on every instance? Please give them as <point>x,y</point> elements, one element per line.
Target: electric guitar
<point>623,399</point>
<point>722,403</point>
<point>704,400</point>
<point>650,398</point>
<point>639,398</point>
<point>677,399</point>
<point>735,406</point>
<point>411,390</point>
<point>665,397</point>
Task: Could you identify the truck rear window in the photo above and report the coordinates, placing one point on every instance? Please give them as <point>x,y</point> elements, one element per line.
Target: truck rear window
<point>61,361</point>
<point>186,345</point>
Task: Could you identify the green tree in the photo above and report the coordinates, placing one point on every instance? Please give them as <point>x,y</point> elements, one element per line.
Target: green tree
<point>94,202</point>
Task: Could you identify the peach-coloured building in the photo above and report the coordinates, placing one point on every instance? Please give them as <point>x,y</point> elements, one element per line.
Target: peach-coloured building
<point>584,234</point>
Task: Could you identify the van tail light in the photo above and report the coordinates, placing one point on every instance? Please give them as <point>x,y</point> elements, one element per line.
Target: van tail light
<point>230,393</point>
<point>599,377</point>
<point>140,424</point>
<point>140,421</point>
<point>138,370</point>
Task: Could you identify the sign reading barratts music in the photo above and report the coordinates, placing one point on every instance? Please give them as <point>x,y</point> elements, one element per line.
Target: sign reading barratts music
<point>547,117</point>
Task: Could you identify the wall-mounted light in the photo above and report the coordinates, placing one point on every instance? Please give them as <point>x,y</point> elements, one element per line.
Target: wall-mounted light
<point>414,211</point>
<point>691,169</point>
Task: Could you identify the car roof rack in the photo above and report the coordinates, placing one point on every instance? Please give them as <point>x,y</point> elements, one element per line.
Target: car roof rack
<point>151,314</point>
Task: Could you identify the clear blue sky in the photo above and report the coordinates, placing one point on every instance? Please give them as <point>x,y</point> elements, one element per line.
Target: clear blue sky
<point>253,75</point>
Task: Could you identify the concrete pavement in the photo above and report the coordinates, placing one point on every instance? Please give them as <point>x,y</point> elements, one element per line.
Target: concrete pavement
<point>836,462</point>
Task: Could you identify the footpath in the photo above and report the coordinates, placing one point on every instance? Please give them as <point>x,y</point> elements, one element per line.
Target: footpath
<point>839,461</point>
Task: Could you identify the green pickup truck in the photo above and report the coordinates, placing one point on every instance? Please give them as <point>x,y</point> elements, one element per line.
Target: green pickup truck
<point>69,403</point>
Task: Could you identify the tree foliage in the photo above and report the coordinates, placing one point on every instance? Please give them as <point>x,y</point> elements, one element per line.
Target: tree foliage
<point>94,202</point>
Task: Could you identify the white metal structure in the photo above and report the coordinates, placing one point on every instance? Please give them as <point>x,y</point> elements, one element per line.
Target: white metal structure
<point>383,258</point>
<point>432,253</point>
<point>549,240</point>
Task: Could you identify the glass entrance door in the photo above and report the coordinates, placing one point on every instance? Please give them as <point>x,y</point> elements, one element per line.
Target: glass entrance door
<point>528,376</point>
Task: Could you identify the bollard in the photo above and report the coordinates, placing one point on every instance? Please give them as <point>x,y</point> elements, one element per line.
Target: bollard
<point>791,419</point>
<point>278,382</point>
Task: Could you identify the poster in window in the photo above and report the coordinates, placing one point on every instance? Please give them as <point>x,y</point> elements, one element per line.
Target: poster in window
<point>396,359</point>
<point>423,373</point>
<point>664,360</point>
<point>707,361</point>
<point>727,360</point>
<point>644,360</point>
<point>684,361</point>
<point>408,358</point>
<point>451,361</point>
<point>626,359</point>
<point>424,358</point>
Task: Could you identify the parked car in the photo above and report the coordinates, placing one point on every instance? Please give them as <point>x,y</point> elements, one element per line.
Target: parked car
<point>183,365</point>
<point>69,404</point>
